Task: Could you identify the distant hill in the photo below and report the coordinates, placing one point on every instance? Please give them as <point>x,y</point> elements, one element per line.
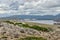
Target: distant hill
<point>38,17</point>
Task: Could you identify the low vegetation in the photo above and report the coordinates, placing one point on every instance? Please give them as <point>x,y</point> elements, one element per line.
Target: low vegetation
<point>14,30</point>
<point>18,24</point>
<point>26,25</point>
<point>36,27</point>
<point>33,38</point>
<point>9,22</point>
<point>40,28</point>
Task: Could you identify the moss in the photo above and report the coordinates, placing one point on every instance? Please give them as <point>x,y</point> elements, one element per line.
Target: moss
<point>33,38</point>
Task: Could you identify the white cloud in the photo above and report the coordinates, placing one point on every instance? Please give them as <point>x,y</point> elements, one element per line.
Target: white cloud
<point>40,7</point>
<point>49,7</point>
<point>2,12</point>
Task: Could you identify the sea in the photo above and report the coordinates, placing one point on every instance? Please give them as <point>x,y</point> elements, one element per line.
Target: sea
<point>43,21</point>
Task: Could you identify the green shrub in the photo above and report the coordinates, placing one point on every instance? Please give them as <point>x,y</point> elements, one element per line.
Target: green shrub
<point>9,22</point>
<point>33,38</point>
<point>17,23</point>
<point>25,25</point>
<point>40,28</point>
<point>36,27</point>
<point>4,37</point>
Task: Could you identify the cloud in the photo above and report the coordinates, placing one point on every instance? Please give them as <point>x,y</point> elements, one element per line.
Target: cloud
<point>48,7</point>
<point>31,7</point>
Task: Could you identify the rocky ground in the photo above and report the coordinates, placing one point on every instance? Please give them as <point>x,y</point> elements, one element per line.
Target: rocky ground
<point>14,32</point>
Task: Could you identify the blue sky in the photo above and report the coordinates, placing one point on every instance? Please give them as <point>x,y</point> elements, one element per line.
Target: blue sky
<point>29,7</point>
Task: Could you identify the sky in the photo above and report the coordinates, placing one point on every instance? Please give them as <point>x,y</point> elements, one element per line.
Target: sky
<point>29,7</point>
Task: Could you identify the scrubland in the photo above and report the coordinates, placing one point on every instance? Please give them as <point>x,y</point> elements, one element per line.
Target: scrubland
<point>13,30</point>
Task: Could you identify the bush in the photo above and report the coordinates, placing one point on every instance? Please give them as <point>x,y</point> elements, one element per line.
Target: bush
<point>9,22</point>
<point>4,37</point>
<point>25,25</point>
<point>33,38</point>
<point>17,23</point>
<point>36,27</point>
<point>40,28</point>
